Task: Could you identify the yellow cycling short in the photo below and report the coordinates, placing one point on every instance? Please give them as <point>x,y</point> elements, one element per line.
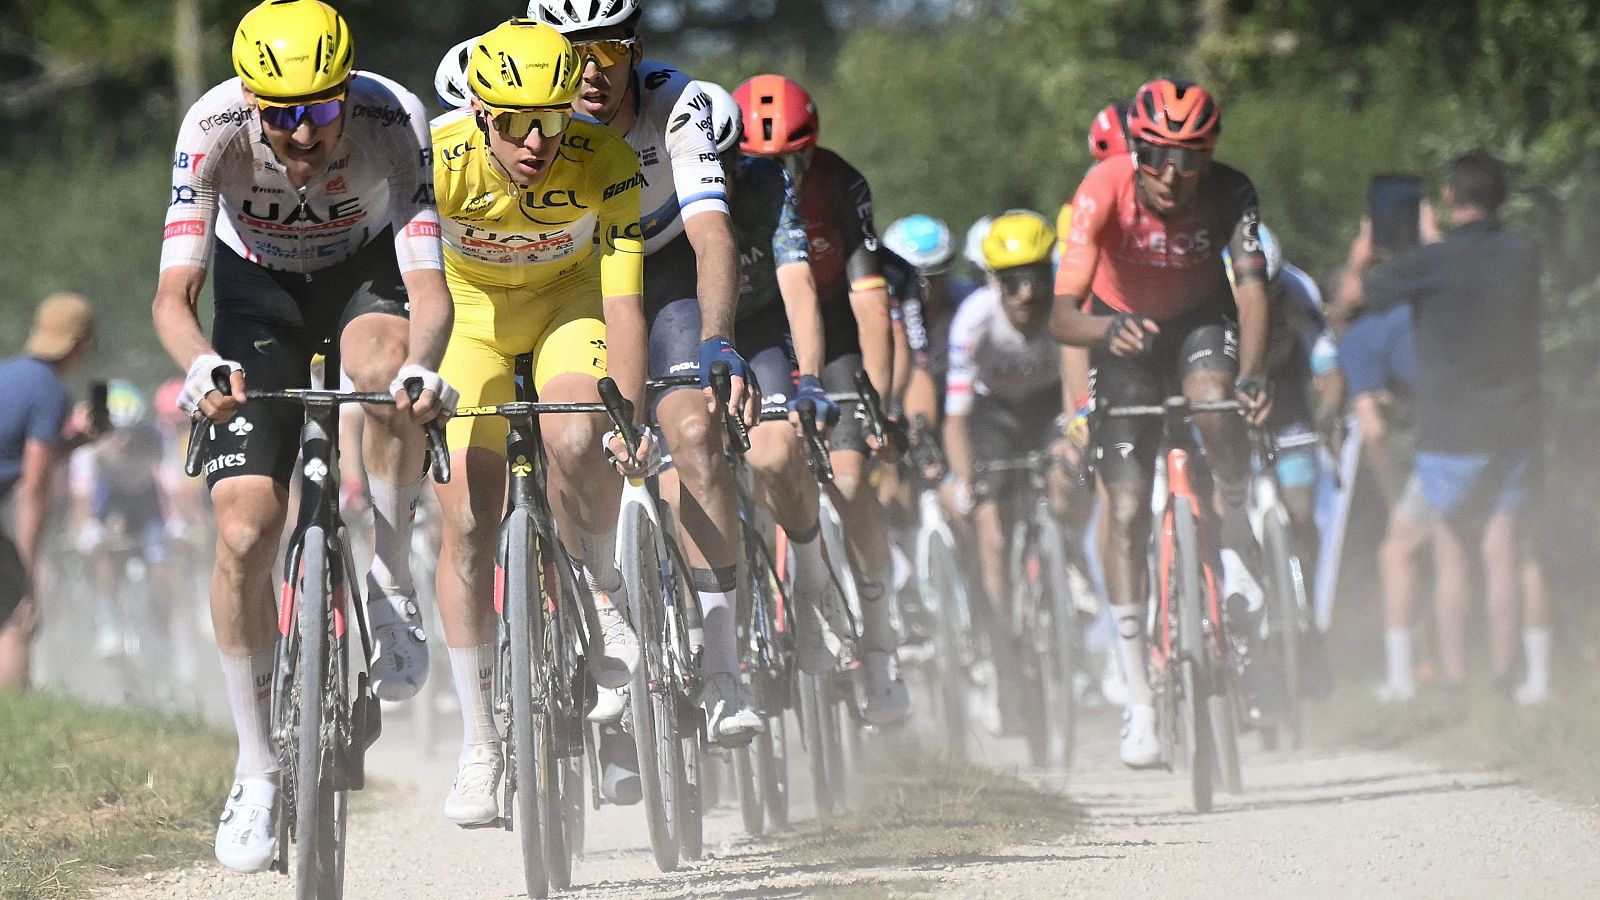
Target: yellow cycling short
<point>561,325</point>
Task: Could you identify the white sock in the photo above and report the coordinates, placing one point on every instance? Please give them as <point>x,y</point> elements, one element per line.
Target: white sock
<point>1397,653</point>
<point>598,558</point>
<point>247,680</point>
<point>1131,646</point>
<point>721,634</point>
<point>394,511</point>
<point>1536,647</point>
<point>877,613</point>
<point>472,669</point>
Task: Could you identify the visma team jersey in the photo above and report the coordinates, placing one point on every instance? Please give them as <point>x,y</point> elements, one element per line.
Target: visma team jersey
<point>677,152</point>
<point>500,235</point>
<point>227,182</point>
<point>990,357</point>
<point>767,227</point>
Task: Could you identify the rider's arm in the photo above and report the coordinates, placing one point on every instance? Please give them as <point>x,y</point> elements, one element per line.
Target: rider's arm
<point>922,398</point>
<point>799,290</point>
<point>1250,290</point>
<point>622,277</point>
<point>1080,255</point>
<point>702,189</point>
<point>176,322</point>
<point>416,239</point>
<point>869,291</point>
<point>187,241</point>
<point>716,270</point>
<point>960,391</point>
<point>901,376</point>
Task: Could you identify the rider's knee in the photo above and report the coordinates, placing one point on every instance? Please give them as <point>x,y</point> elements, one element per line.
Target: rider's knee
<point>691,434</point>
<point>571,442</point>
<point>245,537</point>
<point>772,448</point>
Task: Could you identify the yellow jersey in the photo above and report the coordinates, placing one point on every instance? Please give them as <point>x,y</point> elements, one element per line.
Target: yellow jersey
<point>584,213</point>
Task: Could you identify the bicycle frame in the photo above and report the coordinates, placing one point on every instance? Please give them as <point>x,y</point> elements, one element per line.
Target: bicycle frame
<point>1179,486</point>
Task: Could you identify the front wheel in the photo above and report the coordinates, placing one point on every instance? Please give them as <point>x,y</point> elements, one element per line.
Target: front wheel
<point>772,769</point>
<point>315,800</point>
<point>1288,591</point>
<point>529,761</point>
<point>1196,671</point>
<point>651,696</point>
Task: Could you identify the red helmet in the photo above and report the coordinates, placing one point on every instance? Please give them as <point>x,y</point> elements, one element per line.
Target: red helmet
<point>1108,133</point>
<point>1175,113</point>
<point>779,117</point>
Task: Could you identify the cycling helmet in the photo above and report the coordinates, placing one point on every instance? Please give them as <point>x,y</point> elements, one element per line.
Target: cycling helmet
<point>1018,237</point>
<point>779,116</point>
<point>450,82</point>
<point>972,250</point>
<point>1269,247</point>
<point>292,48</point>
<point>1175,113</point>
<point>1108,133</point>
<point>727,122</point>
<point>921,240</point>
<point>125,403</point>
<point>522,64</point>
<point>581,15</point>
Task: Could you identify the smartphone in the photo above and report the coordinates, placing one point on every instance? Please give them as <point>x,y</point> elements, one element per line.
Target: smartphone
<point>1393,203</point>
<point>99,411</point>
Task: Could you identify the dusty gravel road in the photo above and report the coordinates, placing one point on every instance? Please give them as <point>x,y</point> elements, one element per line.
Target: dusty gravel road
<point>1313,824</point>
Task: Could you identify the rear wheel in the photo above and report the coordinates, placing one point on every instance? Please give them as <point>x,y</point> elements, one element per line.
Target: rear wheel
<point>1061,662</point>
<point>651,696</point>
<point>946,593</point>
<point>744,778</point>
<point>1288,590</point>
<point>772,770</point>
<point>1195,658</point>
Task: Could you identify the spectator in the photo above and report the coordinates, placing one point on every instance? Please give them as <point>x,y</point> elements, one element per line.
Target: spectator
<point>34,437</point>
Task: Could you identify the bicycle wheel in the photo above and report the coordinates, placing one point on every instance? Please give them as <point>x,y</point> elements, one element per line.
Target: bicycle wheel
<point>811,731</point>
<point>1060,664</point>
<point>651,697</point>
<point>1026,665</point>
<point>1194,672</point>
<point>1224,713</point>
<point>530,738</point>
<point>772,770</point>
<point>744,779</point>
<point>833,737</point>
<point>314,795</point>
<point>944,586</point>
<point>1284,620</point>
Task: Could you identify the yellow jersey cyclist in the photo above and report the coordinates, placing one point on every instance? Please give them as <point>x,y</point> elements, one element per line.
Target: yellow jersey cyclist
<point>303,187</point>
<point>543,257</point>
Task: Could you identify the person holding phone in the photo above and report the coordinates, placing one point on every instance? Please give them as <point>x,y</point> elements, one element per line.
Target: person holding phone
<point>37,430</point>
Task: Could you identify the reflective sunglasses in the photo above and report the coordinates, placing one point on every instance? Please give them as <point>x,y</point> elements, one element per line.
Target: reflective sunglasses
<point>608,52</point>
<point>515,124</point>
<point>1154,159</point>
<point>288,116</point>
<point>1012,279</point>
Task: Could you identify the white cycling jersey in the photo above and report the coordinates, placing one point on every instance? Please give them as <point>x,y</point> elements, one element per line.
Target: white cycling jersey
<point>990,358</point>
<point>677,149</point>
<point>380,177</point>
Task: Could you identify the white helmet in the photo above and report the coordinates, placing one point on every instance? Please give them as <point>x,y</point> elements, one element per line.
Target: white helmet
<point>450,82</point>
<point>973,250</point>
<point>1269,248</point>
<point>727,121</point>
<point>580,15</point>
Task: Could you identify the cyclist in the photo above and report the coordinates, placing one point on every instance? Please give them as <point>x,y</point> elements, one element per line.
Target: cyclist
<point>925,243</point>
<point>328,232</point>
<point>1005,382</point>
<point>543,257</point>
<point>691,277</point>
<point>450,79</point>
<point>1143,286</point>
<point>780,121</point>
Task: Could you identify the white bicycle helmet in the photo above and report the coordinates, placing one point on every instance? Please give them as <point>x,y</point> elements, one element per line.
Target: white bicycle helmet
<point>921,240</point>
<point>450,82</point>
<point>727,121</point>
<point>973,249</point>
<point>580,15</point>
<point>1269,247</point>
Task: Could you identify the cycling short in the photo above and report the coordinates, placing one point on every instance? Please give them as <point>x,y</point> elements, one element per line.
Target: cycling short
<point>1202,339</point>
<point>1297,467</point>
<point>562,325</point>
<point>1377,352</point>
<point>765,343</point>
<point>272,324</point>
<point>839,377</point>
<point>135,508</point>
<point>1008,430</point>
<point>1476,485</point>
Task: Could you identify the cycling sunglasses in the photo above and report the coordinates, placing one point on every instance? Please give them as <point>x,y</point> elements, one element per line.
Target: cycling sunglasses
<point>288,116</point>
<point>1154,159</point>
<point>608,52</point>
<point>515,124</point>
<point>1012,279</point>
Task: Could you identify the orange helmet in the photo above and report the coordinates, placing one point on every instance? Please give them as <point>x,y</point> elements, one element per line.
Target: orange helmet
<point>779,116</point>
<point>1174,113</point>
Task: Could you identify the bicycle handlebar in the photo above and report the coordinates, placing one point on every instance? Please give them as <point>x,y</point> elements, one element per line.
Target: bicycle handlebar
<point>816,449</point>
<point>722,389</point>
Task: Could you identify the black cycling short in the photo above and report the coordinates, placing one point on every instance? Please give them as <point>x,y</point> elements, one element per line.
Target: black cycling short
<point>764,341</point>
<point>272,323</point>
<point>839,377</point>
<point>1205,338</point>
<point>1003,430</point>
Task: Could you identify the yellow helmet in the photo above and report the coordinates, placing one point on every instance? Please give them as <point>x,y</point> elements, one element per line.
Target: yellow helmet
<point>292,48</point>
<point>522,64</point>
<point>1018,237</point>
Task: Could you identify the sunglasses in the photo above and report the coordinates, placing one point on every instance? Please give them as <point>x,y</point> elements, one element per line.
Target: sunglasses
<point>516,124</point>
<point>1155,159</point>
<point>288,116</point>
<point>608,52</point>
<point>1012,279</point>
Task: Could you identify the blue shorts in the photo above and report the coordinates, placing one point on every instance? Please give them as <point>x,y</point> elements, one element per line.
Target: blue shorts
<point>1377,352</point>
<point>763,340</point>
<point>1476,484</point>
<point>1297,467</point>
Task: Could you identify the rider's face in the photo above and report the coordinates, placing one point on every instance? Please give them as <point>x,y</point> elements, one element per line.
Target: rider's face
<point>1169,191</point>
<point>304,149</point>
<point>1024,294</point>
<point>527,160</point>
<point>605,77</point>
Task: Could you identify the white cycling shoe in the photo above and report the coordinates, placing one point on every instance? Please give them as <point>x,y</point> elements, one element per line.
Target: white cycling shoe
<point>885,700</point>
<point>474,796</point>
<point>608,706</point>
<point>247,835</point>
<point>730,719</point>
<point>1237,580</point>
<point>620,655</point>
<point>1141,749</point>
<point>399,664</point>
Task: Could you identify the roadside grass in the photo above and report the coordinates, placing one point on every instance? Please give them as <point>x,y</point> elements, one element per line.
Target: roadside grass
<point>87,792</point>
<point>908,808</point>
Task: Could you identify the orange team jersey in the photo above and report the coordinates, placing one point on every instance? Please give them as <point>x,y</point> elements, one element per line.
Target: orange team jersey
<point>1137,262</point>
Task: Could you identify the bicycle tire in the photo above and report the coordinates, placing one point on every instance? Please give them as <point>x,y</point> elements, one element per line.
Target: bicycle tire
<point>562,818</point>
<point>815,743</point>
<point>830,713</point>
<point>1194,667</point>
<point>1285,619</point>
<point>653,709</point>
<point>313,777</point>
<point>528,726</point>
<point>751,815</point>
<point>772,768</point>
<point>1061,671</point>
<point>1028,700</point>
<point>953,678</point>
<point>1224,714</point>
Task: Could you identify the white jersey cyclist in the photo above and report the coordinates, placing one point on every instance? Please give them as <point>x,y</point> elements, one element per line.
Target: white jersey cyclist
<point>989,357</point>
<point>377,181</point>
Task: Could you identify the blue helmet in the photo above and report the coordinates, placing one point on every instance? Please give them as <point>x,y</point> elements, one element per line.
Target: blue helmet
<point>922,240</point>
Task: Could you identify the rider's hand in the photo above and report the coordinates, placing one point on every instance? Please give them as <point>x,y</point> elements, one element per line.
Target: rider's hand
<point>742,400</point>
<point>200,392</point>
<point>437,399</point>
<point>957,495</point>
<point>1129,335</point>
<point>1255,395</point>
<point>642,462</point>
<point>810,388</point>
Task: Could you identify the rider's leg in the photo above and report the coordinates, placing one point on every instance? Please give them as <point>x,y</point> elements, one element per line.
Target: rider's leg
<point>866,529</point>
<point>1210,369</point>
